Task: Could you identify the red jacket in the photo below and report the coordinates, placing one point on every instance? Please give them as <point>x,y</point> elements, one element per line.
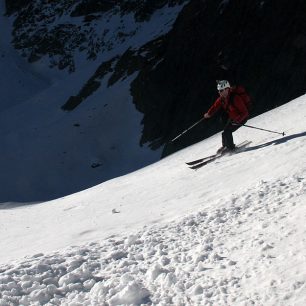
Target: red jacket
<point>237,111</point>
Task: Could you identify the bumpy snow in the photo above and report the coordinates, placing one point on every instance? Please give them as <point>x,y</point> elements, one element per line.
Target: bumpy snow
<point>248,250</point>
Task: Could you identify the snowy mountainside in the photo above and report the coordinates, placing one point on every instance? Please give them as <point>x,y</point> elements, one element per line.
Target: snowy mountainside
<point>231,233</point>
<point>97,141</point>
<point>63,31</point>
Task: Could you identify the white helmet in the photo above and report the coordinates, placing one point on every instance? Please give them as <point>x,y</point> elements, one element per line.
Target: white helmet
<point>223,84</point>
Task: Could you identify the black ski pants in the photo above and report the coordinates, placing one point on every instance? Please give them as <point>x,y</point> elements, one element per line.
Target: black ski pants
<point>227,135</point>
<point>228,129</point>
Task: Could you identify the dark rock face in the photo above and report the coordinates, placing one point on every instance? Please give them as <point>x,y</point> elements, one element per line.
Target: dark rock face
<point>260,44</point>
<point>13,6</point>
<point>92,6</point>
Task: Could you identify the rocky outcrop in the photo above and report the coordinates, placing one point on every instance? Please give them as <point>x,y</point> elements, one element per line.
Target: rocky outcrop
<point>53,29</point>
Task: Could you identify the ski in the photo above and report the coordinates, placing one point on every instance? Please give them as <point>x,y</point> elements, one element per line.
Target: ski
<point>212,158</point>
<point>199,165</point>
<point>191,163</point>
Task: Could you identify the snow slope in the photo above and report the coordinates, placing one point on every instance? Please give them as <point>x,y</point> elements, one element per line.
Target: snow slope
<point>231,233</point>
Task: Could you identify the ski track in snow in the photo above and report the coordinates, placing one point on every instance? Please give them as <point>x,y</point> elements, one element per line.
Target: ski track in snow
<point>231,253</point>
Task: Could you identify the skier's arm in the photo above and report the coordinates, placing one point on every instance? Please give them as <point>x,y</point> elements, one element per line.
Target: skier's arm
<point>214,108</point>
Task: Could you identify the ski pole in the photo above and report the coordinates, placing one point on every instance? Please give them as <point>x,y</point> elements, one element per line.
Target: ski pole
<point>178,136</point>
<point>257,128</point>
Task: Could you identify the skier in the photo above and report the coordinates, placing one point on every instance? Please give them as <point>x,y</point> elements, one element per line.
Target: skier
<point>235,113</point>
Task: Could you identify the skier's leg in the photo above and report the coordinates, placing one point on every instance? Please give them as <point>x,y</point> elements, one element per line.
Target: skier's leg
<point>227,138</point>
<point>224,121</point>
<point>227,135</point>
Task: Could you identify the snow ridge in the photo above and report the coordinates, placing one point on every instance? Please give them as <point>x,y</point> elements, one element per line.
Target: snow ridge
<point>230,255</point>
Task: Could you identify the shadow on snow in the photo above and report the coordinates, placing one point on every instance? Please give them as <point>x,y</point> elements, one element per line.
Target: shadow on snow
<point>276,141</point>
